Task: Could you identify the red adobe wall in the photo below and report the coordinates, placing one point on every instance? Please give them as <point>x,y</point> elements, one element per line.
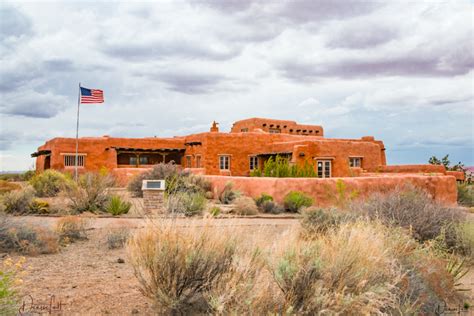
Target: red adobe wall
<point>441,188</point>
<point>428,168</point>
<point>285,126</point>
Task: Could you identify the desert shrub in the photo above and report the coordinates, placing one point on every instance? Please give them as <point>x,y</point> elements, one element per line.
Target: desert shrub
<point>281,167</point>
<point>160,171</point>
<point>466,194</point>
<point>215,211</point>
<point>317,221</point>
<point>90,194</point>
<point>116,206</point>
<point>38,206</point>
<point>117,238</point>
<point>272,207</point>
<point>71,229</point>
<point>189,204</point>
<point>341,197</point>
<point>228,195</point>
<point>334,274</point>
<point>49,183</point>
<point>263,198</point>
<point>7,186</point>
<point>412,209</point>
<point>294,201</point>
<point>17,202</point>
<point>10,279</point>
<point>245,205</point>
<point>177,268</point>
<point>24,239</point>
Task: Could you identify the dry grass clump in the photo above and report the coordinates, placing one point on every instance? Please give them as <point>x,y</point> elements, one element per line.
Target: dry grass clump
<point>317,221</point>
<point>71,229</point>
<point>49,183</point>
<point>24,239</point>
<point>7,186</point>
<point>90,194</point>
<point>187,203</point>
<point>245,205</point>
<point>228,194</point>
<point>17,202</point>
<point>117,238</point>
<point>412,209</point>
<point>185,270</point>
<point>355,268</point>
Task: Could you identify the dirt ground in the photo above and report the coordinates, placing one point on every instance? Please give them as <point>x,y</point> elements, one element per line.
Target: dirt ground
<point>87,277</point>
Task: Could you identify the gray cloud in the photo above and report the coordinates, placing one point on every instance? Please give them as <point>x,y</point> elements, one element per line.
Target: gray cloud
<point>32,104</point>
<point>13,23</point>
<point>188,83</point>
<point>357,36</point>
<point>58,65</point>
<point>304,11</point>
<point>418,66</point>
<point>163,49</point>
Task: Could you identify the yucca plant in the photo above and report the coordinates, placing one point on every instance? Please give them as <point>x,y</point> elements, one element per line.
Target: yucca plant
<point>117,206</point>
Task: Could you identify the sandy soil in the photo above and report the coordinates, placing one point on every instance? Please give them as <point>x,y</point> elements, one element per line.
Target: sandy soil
<point>87,277</point>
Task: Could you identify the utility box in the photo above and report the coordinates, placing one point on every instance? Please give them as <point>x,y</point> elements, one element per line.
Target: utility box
<point>153,196</point>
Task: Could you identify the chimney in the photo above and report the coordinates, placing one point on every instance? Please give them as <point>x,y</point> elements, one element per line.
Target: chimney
<point>214,127</point>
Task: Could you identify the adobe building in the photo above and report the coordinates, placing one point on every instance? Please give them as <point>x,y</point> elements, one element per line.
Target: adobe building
<point>236,153</point>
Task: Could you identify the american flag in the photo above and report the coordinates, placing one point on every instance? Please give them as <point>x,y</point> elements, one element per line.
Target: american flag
<point>92,95</point>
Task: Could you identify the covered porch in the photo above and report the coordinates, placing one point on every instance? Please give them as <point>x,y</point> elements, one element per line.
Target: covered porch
<point>147,157</point>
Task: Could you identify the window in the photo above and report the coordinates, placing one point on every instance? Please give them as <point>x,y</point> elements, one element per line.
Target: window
<point>324,168</point>
<point>253,163</point>
<point>355,162</point>
<point>224,162</point>
<point>198,161</point>
<point>70,160</point>
<point>188,161</point>
<point>274,131</point>
<point>244,130</point>
<point>133,160</point>
<point>143,160</point>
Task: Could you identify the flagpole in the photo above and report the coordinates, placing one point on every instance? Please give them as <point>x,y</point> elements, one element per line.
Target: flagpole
<point>77,133</point>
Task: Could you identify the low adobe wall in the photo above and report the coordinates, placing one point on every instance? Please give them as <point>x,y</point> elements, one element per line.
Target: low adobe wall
<point>412,169</point>
<point>124,175</point>
<point>442,188</point>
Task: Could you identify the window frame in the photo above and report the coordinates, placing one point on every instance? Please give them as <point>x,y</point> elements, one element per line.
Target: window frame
<point>224,161</point>
<point>198,161</point>
<point>354,159</point>
<point>188,161</point>
<point>325,172</point>
<point>253,163</point>
<point>69,160</point>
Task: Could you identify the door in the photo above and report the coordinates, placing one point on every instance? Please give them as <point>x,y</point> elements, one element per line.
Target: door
<point>324,168</point>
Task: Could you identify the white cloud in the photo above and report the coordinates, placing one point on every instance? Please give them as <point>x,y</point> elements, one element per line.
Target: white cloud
<point>170,68</point>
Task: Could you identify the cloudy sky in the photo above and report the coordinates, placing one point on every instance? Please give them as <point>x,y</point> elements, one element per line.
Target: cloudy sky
<point>399,70</point>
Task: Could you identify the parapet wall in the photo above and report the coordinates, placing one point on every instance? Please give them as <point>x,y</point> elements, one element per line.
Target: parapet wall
<point>412,169</point>
<point>442,188</point>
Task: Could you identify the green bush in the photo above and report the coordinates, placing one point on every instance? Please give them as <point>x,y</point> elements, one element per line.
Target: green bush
<point>296,200</point>
<point>90,194</point>
<point>319,220</point>
<point>215,211</point>
<point>281,167</point>
<point>38,206</point>
<point>228,195</point>
<point>189,204</point>
<point>162,171</point>
<point>245,205</point>
<point>466,194</point>
<point>414,210</point>
<point>272,207</point>
<point>10,278</point>
<point>263,198</point>
<point>17,202</point>
<point>116,206</point>
<point>49,183</point>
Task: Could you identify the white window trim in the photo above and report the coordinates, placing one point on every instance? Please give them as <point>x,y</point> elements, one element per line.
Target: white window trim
<point>324,167</point>
<point>229,159</point>
<point>255,165</point>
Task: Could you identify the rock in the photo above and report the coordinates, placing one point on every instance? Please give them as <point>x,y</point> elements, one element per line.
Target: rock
<point>120,260</point>
<point>135,311</point>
